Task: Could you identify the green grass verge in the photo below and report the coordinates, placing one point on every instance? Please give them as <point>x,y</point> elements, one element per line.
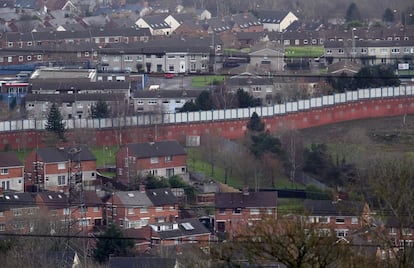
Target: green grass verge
<point>308,51</point>
<point>206,80</point>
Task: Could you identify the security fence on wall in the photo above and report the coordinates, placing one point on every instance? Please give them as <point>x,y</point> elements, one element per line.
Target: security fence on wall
<point>216,115</point>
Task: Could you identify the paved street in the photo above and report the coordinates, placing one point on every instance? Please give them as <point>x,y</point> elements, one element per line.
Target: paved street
<point>178,82</point>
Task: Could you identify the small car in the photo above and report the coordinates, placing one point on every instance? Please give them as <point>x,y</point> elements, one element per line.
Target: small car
<point>168,75</point>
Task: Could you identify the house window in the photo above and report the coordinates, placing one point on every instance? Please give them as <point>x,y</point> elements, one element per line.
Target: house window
<point>4,171</point>
<point>66,211</point>
<point>222,211</point>
<point>131,211</point>
<point>341,51</point>
<point>237,211</point>
<point>39,57</point>
<point>143,210</point>
<point>169,172</point>
<point>286,42</point>
<point>305,41</point>
<point>10,44</point>
<point>159,209</point>
<point>168,158</point>
<point>329,51</point>
<point>139,58</point>
<point>16,212</point>
<point>340,220</point>
<point>323,220</point>
<point>406,231</point>
<point>354,220</point>
<point>221,226</point>
<point>154,160</point>
<point>2,227</point>
<point>254,211</point>
<point>128,58</point>
<point>61,166</point>
<point>1,213</point>
<point>20,58</point>
<point>84,222</point>
<point>61,180</point>
<point>269,211</point>
<point>171,68</point>
<point>341,232</point>
<point>29,58</point>
<point>192,57</point>
<point>297,42</point>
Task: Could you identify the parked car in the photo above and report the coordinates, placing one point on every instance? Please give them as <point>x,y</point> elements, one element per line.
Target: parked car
<point>168,75</point>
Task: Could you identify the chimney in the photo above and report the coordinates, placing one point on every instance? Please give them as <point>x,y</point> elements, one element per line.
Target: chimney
<point>246,190</point>
<point>142,188</point>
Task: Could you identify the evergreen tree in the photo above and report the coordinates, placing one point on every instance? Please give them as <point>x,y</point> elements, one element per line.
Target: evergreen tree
<point>55,122</point>
<point>204,101</point>
<point>111,242</point>
<point>255,124</point>
<point>388,16</point>
<point>100,109</point>
<point>352,13</point>
<point>245,99</point>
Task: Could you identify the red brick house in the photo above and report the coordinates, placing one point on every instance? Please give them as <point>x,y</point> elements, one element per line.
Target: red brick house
<point>11,172</point>
<point>17,211</point>
<point>340,216</point>
<point>161,158</point>
<point>89,213</point>
<point>135,209</point>
<point>237,210</point>
<point>53,168</point>
<point>400,232</point>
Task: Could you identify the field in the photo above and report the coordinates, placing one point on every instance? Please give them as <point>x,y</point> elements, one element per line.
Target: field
<point>205,80</point>
<point>308,51</point>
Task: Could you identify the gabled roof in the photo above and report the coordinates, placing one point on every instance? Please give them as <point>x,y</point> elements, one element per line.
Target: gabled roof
<point>54,155</point>
<point>9,159</point>
<point>156,21</point>
<point>249,79</point>
<point>250,200</point>
<point>155,149</point>
<point>91,199</point>
<point>330,208</point>
<point>133,199</point>
<point>70,98</point>
<point>16,200</point>
<point>71,85</point>
<point>161,197</point>
<point>271,16</point>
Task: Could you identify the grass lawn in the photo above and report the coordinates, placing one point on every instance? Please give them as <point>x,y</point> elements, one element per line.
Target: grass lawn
<point>308,51</point>
<point>206,80</point>
<point>105,155</point>
<point>289,205</point>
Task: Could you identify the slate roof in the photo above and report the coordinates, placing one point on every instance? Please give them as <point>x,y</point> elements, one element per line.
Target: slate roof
<point>54,155</point>
<point>156,149</point>
<point>9,159</point>
<point>16,200</point>
<point>249,80</point>
<point>186,228</point>
<point>156,21</point>
<point>330,208</point>
<point>91,199</point>
<point>139,262</point>
<point>251,200</point>
<point>271,16</point>
<point>53,200</point>
<point>59,98</point>
<point>25,4</point>
<point>405,222</point>
<point>134,199</point>
<point>161,197</point>
<point>71,85</point>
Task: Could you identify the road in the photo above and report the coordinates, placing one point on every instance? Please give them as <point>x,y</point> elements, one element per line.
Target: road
<point>176,83</point>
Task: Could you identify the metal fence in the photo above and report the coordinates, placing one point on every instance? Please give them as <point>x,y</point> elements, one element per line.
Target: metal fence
<point>216,115</point>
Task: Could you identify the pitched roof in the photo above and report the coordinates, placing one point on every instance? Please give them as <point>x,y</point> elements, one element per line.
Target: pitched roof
<point>330,208</point>
<point>16,200</point>
<point>186,227</point>
<point>241,200</point>
<point>54,155</point>
<point>53,200</point>
<point>134,199</point>
<point>156,149</point>
<point>91,198</point>
<point>161,197</point>
<point>58,98</point>
<point>143,94</point>
<point>271,16</point>
<point>156,21</point>
<point>9,159</point>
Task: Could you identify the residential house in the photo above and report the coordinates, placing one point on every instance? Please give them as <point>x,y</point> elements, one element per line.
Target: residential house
<point>400,232</point>
<point>55,210</point>
<point>347,67</point>
<point>136,209</point>
<point>57,169</point>
<point>89,213</point>
<point>155,23</point>
<point>241,22</point>
<point>17,213</point>
<point>175,20</point>
<point>341,216</point>
<point>163,101</point>
<point>370,52</point>
<point>203,14</point>
<point>261,88</point>
<point>268,56</point>
<point>159,158</point>
<point>276,21</point>
<point>11,172</point>
<point>237,210</point>
<point>183,231</point>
